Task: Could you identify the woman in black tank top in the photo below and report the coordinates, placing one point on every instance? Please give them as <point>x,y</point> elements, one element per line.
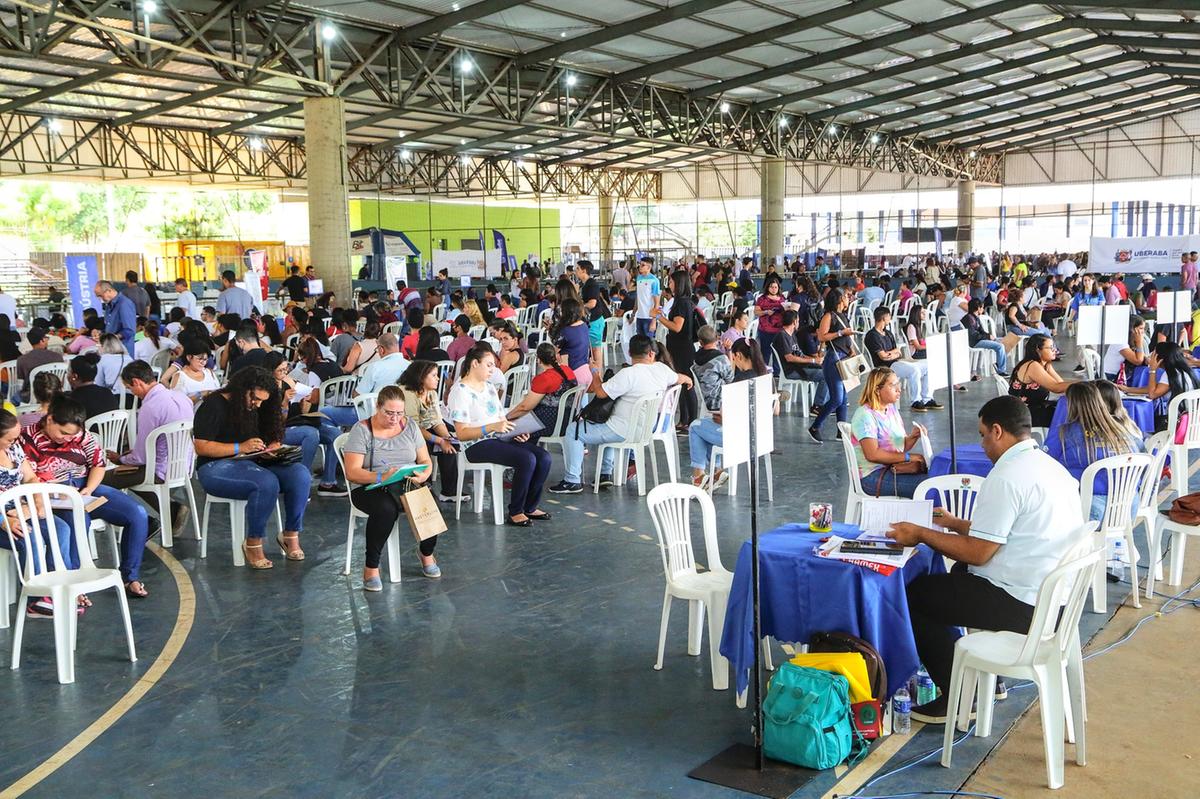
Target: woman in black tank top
<point>834,331</point>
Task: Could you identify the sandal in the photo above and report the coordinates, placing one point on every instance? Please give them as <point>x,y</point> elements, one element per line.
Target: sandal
<point>136,593</point>
<point>83,601</point>
<point>253,562</point>
<point>290,554</point>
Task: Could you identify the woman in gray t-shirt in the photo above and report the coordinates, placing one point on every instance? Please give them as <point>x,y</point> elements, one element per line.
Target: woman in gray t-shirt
<point>374,450</point>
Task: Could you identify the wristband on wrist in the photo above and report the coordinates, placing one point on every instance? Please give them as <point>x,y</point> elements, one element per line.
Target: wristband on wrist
<point>236,447</point>
<point>378,477</point>
<point>907,457</point>
<point>484,429</point>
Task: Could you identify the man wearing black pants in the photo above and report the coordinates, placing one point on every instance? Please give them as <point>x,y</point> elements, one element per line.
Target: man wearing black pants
<point>1026,518</point>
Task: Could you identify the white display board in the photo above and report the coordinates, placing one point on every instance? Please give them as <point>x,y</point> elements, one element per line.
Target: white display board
<point>468,263</point>
<point>396,247</point>
<point>1173,307</point>
<point>1139,253</point>
<point>395,268</point>
<point>960,359</point>
<point>1098,325</point>
<point>736,418</point>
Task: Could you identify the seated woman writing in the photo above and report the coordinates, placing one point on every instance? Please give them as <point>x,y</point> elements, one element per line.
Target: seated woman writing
<point>1034,379</point>
<point>245,417</point>
<point>883,451</point>
<point>378,446</point>
<point>479,418</point>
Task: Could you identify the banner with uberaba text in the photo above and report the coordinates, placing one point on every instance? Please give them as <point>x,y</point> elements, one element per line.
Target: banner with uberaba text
<point>1134,254</point>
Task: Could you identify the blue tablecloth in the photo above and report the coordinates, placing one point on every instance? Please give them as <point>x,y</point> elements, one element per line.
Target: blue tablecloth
<point>971,460</point>
<point>1140,411</point>
<point>1141,376</point>
<point>803,593</point>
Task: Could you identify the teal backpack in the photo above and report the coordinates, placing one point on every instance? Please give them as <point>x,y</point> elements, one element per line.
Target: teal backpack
<point>806,719</point>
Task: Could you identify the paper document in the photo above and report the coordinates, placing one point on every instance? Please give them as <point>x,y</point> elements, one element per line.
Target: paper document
<point>527,425</point>
<point>878,514</point>
<point>832,549</point>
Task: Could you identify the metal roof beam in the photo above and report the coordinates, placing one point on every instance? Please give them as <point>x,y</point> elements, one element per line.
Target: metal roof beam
<point>906,94</point>
<point>765,36</point>
<point>171,105</point>
<point>1135,115</point>
<point>436,26</point>
<point>823,59</point>
<point>258,119</point>
<point>937,59</point>
<point>51,92</point>
<point>1140,42</point>
<point>604,148</point>
<point>610,33</point>
<point>1041,121</point>
<point>1015,105</point>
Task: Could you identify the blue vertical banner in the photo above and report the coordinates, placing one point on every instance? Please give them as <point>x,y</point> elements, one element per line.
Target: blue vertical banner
<point>81,281</point>
<point>1145,217</point>
<point>861,232</point>
<point>1129,217</point>
<point>937,242</point>
<point>1116,212</point>
<point>1158,219</point>
<point>499,243</point>
<point>1170,219</point>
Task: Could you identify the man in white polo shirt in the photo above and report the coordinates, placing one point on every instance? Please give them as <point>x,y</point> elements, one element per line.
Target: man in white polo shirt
<point>1025,519</point>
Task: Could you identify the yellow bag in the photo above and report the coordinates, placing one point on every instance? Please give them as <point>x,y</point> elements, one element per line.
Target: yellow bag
<point>848,664</point>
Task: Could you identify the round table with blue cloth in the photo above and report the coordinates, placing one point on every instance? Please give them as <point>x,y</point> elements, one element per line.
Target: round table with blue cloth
<point>971,460</point>
<point>802,593</point>
<point>1141,376</point>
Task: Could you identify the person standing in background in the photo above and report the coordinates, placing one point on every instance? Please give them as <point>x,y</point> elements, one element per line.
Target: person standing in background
<point>185,299</point>
<point>139,296</point>
<point>648,293</point>
<point>620,276</point>
<point>233,299</point>
<point>296,286</point>
<point>120,316</point>
<point>1188,272</point>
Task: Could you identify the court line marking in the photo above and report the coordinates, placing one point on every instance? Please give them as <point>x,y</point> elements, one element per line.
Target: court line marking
<point>183,625</point>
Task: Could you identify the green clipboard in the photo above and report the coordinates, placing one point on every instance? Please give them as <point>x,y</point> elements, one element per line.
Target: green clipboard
<point>403,473</point>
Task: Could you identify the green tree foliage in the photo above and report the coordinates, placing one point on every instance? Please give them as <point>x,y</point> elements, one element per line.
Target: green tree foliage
<point>42,214</point>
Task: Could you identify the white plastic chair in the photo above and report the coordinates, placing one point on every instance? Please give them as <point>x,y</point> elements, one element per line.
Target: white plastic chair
<point>476,332</point>
<point>483,471</point>
<point>664,433</point>
<point>62,585</point>
<point>180,467</point>
<point>1158,446</point>
<point>1126,475</point>
<point>638,439</point>
<point>364,404</point>
<point>1049,656</point>
<point>1001,384</point>
<point>854,492</point>
<point>671,508</point>
<point>732,485</point>
<point>804,390</point>
<point>237,524</point>
<point>393,542</point>
<point>956,493</point>
<point>160,360</point>
<point>337,391</point>
<point>393,328</point>
<point>112,429</point>
<point>516,385</point>
<point>13,394</point>
<point>447,371</point>
<point>568,406</point>
<point>1187,403</point>
<point>1091,362</point>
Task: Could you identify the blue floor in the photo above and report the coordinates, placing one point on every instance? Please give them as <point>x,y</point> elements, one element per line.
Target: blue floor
<point>525,672</point>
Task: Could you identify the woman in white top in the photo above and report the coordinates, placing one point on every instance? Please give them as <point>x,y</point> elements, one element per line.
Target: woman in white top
<point>1131,355</point>
<point>478,417</point>
<point>956,307</point>
<point>193,378</point>
<point>113,358</point>
<point>151,344</point>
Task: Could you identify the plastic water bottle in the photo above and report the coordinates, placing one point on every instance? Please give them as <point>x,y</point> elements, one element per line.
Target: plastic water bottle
<point>926,690</point>
<point>901,713</point>
<point>1118,558</point>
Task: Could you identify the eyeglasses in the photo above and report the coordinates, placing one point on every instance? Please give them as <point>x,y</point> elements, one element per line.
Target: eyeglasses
<point>393,414</point>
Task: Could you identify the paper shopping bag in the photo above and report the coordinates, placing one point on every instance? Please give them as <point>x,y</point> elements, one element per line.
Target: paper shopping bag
<point>424,517</point>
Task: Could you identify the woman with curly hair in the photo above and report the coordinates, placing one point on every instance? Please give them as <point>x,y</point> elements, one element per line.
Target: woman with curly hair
<point>244,418</point>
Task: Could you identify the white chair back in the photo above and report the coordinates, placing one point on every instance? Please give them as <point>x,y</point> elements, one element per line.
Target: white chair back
<point>364,404</point>
<point>1126,476</point>
<point>180,452</point>
<point>1184,411</point>
<point>1091,360</point>
<point>1060,599</point>
<point>476,332</point>
<point>447,371</point>
<point>59,369</point>
<point>516,385</point>
<point>40,540</point>
<point>1157,447</point>
<point>854,493</point>
<point>668,410</point>
<point>393,328</point>
<point>112,428</point>
<point>671,511</point>
<point>643,418</point>
<point>956,493</point>
<point>160,360</point>
<point>337,391</point>
<point>568,406</point>
<point>13,393</point>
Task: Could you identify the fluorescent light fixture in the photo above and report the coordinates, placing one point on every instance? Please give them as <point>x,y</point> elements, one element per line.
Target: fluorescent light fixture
<point>328,32</point>
<point>724,108</point>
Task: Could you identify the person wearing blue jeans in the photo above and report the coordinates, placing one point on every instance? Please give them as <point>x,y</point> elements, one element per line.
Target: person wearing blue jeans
<point>835,333</point>
<point>61,451</point>
<point>244,418</point>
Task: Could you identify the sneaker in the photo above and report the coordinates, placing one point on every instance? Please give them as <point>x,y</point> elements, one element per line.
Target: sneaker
<point>918,407</point>
<point>719,480</point>
<point>39,609</point>
<point>815,435</point>
<point>458,498</point>
<point>933,405</point>
<point>331,490</point>
<point>432,571</point>
<point>606,481</point>
<point>1001,690</point>
<point>564,487</point>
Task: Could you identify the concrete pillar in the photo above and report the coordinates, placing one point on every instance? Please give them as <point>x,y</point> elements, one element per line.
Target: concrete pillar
<point>328,195</point>
<point>774,191</point>
<point>607,208</point>
<point>966,216</point>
